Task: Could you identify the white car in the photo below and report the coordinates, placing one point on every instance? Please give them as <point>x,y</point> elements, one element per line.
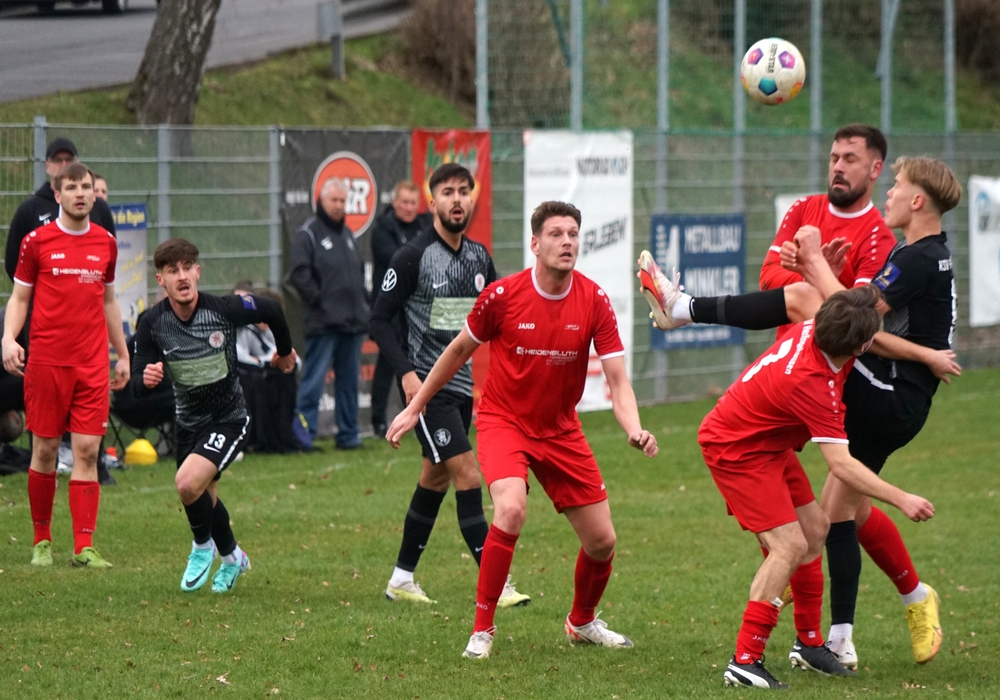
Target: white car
<point>111,7</point>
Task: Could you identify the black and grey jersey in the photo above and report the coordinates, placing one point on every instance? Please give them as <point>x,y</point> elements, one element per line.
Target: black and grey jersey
<point>436,286</point>
<point>918,284</point>
<point>200,354</point>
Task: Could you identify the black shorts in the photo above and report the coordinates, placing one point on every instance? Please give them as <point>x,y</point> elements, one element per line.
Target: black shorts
<point>879,421</point>
<point>443,430</point>
<point>219,443</point>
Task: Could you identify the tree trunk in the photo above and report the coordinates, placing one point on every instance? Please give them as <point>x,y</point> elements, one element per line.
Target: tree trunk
<point>165,90</point>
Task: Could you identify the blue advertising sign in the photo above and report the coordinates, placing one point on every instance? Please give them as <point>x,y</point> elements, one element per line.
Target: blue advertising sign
<point>710,253</point>
<point>130,272</point>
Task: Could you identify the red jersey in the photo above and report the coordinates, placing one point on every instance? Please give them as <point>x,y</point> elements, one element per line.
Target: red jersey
<point>539,350</point>
<point>871,241</point>
<point>68,271</point>
<point>790,395</point>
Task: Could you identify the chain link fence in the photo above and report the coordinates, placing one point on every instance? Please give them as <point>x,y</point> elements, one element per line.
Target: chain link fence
<point>531,43</point>
<point>220,188</point>
<point>217,186</point>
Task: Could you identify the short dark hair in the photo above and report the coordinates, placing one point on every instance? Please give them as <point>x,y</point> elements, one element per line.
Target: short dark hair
<point>847,320</point>
<point>173,251</point>
<point>874,139</point>
<point>546,210</point>
<point>75,172</point>
<point>246,285</point>
<point>451,171</point>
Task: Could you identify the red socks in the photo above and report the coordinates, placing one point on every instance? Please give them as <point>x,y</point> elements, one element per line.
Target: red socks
<point>41,494</point>
<point>498,552</point>
<point>881,539</point>
<point>807,592</point>
<point>759,619</point>
<point>84,498</point>
<point>590,580</point>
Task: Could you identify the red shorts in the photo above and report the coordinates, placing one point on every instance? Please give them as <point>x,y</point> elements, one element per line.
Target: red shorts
<point>61,398</point>
<point>762,493</point>
<point>564,465</point>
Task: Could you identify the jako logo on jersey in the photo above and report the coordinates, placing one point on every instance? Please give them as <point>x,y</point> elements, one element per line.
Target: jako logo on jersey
<point>216,339</point>
<point>389,281</point>
<point>362,194</point>
<point>526,326</point>
<point>442,437</point>
<point>58,256</point>
<point>93,258</point>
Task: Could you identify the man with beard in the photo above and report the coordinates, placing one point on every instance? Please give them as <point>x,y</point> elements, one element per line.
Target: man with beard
<point>67,268</point>
<point>329,274</point>
<point>435,280</point>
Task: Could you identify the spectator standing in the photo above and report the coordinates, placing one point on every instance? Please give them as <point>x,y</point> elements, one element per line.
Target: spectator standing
<point>397,226</point>
<point>100,187</point>
<point>328,273</point>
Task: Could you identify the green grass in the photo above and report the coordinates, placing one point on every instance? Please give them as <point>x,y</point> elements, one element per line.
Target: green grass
<point>310,621</point>
<point>295,88</point>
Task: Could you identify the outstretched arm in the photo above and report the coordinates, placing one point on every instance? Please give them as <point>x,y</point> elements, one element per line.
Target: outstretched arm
<point>859,477</point>
<point>625,408</point>
<point>454,356</point>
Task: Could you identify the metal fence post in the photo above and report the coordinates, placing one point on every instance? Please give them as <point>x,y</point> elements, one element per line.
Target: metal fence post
<point>815,95</point>
<point>482,65</point>
<point>890,9</point>
<point>274,207</point>
<point>39,164</point>
<point>163,181</point>
<point>739,129</point>
<point>950,117</point>
<point>576,65</point>
<point>660,359</point>
<point>330,26</point>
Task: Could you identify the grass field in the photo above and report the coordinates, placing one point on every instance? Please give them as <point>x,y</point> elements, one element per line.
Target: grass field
<point>310,620</point>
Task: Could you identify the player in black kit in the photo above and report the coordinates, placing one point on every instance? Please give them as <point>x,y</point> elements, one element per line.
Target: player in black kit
<point>888,395</point>
<point>435,279</point>
<point>194,335</point>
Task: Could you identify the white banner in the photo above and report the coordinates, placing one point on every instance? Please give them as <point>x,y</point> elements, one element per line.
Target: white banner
<point>592,171</point>
<point>984,251</point>
<point>782,203</point>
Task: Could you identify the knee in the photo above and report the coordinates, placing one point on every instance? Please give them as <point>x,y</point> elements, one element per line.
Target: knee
<point>87,454</point>
<point>187,488</point>
<point>46,451</point>
<point>509,517</point>
<point>793,548</point>
<point>601,547</point>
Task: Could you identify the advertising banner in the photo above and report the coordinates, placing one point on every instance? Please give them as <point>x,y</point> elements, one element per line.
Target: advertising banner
<point>370,163</point>
<point>984,251</point>
<point>593,171</point>
<point>130,271</point>
<point>431,149</point>
<point>710,253</point>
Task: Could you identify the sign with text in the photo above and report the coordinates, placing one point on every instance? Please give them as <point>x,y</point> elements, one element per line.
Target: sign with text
<point>710,253</point>
<point>130,271</point>
<point>593,171</point>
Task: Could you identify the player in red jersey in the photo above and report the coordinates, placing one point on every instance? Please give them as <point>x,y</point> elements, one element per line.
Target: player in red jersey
<point>67,268</point>
<point>540,323</point>
<point>791,395</point>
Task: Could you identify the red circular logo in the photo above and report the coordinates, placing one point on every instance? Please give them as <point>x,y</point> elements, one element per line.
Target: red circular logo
<point>362,195</point>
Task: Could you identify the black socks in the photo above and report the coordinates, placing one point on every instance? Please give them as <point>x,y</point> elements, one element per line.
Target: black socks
<point>843,557</point>
<point>471,520</point>
<point>417,527</point>
<point>755,311</point>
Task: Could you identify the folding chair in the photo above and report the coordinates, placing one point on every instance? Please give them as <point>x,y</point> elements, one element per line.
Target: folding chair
<point>138,417</point>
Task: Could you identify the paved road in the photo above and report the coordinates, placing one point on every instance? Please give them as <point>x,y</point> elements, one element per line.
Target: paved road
<point>80,47</point>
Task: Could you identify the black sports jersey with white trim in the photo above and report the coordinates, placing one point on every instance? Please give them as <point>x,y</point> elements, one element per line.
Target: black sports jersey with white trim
<point>437,287</point>
<point>200,354</point>
<point>918,284</point>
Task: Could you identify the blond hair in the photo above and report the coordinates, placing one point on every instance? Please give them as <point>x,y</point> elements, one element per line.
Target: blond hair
<point>933,177</point>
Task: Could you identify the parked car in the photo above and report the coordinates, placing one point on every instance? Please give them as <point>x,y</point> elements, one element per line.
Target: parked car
<point>111,7</point>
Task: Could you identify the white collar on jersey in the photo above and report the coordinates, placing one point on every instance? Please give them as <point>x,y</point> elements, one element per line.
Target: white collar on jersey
<point>551,297</point>
<point>849,215</point>
<point>66,230</point>
<point>833,367</point>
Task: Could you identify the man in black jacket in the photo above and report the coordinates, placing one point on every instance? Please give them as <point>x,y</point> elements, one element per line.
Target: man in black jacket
<point>327,271</point>
<point>41,208</point>
<point>396,227</point>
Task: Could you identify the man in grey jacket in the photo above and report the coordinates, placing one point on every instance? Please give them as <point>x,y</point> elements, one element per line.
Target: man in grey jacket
<point>328,273</point>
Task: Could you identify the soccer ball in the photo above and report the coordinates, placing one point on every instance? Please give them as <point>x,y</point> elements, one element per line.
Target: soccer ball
<point>773,71</point>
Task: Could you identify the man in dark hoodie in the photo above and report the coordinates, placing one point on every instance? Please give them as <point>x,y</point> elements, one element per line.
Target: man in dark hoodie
<point>328,273</point>
<point>41,208</point>
<point>394,228</point>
